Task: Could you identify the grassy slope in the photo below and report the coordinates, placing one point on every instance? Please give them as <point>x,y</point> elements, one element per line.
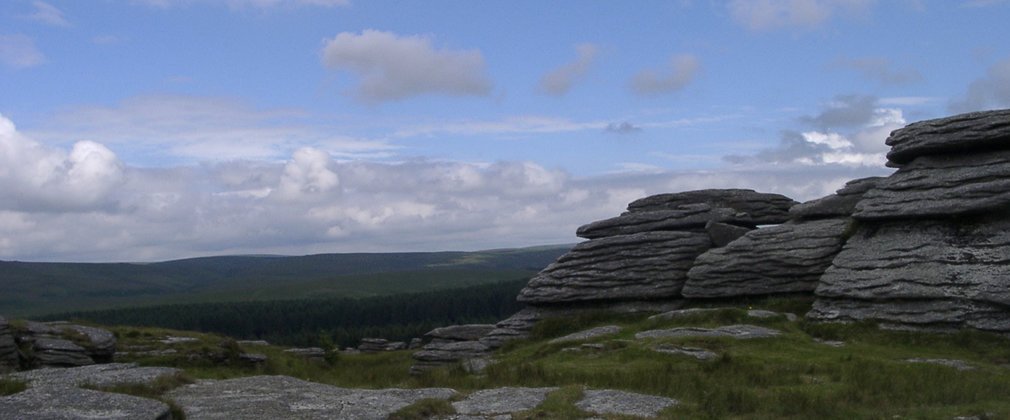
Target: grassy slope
<point>791,376</point>
<point>39,288</point>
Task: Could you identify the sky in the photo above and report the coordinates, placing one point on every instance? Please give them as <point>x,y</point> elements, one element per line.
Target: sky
<point>146,130</point>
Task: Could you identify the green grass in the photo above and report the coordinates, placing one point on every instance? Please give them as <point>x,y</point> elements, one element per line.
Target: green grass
<point>790,377</point>
<point>9,386</point>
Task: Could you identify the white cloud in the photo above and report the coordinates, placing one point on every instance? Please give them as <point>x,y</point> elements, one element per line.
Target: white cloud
<point>560,80</point>
<point>48,14</point>
<point>680,71</point>
<point>392,67</point>
<point>307,174</point>
<point>774,14</point>
<point>988,92</point>
<point>19,52</point>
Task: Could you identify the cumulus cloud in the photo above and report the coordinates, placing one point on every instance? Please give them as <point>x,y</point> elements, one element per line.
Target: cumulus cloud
<point>19,52</point>
<point>560,80</point>
<point>622,128</point>
<point>392,67</point>
<point>762,15</point>
<point>48,14</point>
<point>879,69</point>
<point>307,174</point>
<point>680,71</point>
<point>849,132</point>
<point>36,177</point>
<point>988,92</point>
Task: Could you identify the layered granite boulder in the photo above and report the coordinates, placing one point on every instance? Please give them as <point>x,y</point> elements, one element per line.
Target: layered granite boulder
<point>931,250</point>
<point>647,265</point>
<point>8,349</point>
<point>451,345</point>
<point>753,207</point>
<point>787,258</point>
<point>840,204</point>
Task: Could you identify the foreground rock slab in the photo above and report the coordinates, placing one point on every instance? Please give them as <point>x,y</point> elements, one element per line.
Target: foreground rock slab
<point>8,349</point>
<point>282,397</point>
<point>622,403</point>
<point>502,400</point>
<point>68,403</point>
<point>111,374</point>
<point>966,132</point>
<point>739,331</point>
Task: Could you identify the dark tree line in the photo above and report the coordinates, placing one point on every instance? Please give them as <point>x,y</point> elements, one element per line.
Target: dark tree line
<point>309,322</point>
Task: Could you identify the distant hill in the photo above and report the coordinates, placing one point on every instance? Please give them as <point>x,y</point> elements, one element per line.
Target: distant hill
<point>31,288</point>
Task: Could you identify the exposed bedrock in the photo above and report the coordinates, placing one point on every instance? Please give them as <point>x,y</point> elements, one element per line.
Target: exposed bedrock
<point>941,186</point>
<point>761,208</point>
<point>961,264</point>
<point>649,265</point>
<point>778,259</point>
<point>8,349</point>
<point>957,134</point>
<point>840,204</point>
<point>685,217</point>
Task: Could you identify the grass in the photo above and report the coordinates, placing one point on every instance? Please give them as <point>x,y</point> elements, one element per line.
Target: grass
<point>154,390</point>
<point>9,386</point>
<point>791,376</point>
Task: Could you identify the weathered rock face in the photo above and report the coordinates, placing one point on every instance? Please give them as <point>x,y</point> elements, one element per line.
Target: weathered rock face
<point>55,352</point>
<point>8,349</point>
<point>438,354</point>
<point>976,131</point>
<point>760,208</point>
<point>76,403</point>
<point>722,234</point>
<point>779,259</point>
<point>111,374</point>
<point>685,217</point>
<point>941,186</point>
<point>99,344</point>
<point>740,332</point>
<point>612,402</point>
<point>841,204</point>
<point>650,265</point>
<point>496,401</point>
<point>375,345</point>
<point>945,272</point>
<point>282,397</point>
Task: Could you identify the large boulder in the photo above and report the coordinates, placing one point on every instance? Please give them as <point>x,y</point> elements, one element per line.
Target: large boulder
<point>976,131</point>
<point>468,332</point>
<point>438,354</point>
<point>99,344</point>
<point>941,186</point>
<point>755,208</point>
<point>779,259</point>
<point>956,271</point>
<point>57,352</point>
<point>649,265</point>
<point>840,204</point>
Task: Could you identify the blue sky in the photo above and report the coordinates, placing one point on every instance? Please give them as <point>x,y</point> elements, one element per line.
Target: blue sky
<point>154,129</point>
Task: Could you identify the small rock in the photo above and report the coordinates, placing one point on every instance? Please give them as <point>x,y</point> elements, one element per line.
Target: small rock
<point>253,343</point>
<point>373,345</point>
<point>830,343</point>
<point>254,358</point>
<point>622,403</point>
<point>502,400</point>
<point>680,313</point>
<point>177,340</point>
<point>308,352</point>
<point>588,334</point>
<point>695,352</point>
<point>761,313</point>
<point>469,332</point>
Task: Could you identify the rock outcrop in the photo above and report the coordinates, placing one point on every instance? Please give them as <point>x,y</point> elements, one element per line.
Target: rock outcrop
<point>468,332</point>
<point>931,250</point>
<point>754,207</point>
<point>282,397</point>
<point>56,352</point>
<point>111,374</point>
<point>497,401</point>
<point>623,403</point>
<point>375,345</point>
<point>8,348</point>
<point>840,204</point>
<point>741,332</point>
<point>787,258</point>
<point>455,344</point>
<point>77,403</point>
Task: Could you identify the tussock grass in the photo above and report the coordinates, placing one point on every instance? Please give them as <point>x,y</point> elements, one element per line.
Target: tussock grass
<point>10,386</point>
<point>791,376</point>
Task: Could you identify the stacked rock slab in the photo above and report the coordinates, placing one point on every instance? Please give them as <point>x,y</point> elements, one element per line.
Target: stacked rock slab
<point>787,258</point>
<point>933,245</point>
<point>645,253</point>
<point>450,345</point>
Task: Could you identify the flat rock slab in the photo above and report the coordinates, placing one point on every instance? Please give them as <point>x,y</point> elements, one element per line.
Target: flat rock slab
<point>468,332</point>
<point>282,397</point>
<point>502,400</point>
<point>787,258</point>
<point>740,331</point>
<point>650,265</point>
<point>685,217</point>
<point>761,313</point>
<point>68,403</point>
<point>953,363</point>
<point>589,334</point>
<point>695,352</point>
<point>756,208</point>
<point>622,403</point>
<point>957,134</point>
<point>110,374</point>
